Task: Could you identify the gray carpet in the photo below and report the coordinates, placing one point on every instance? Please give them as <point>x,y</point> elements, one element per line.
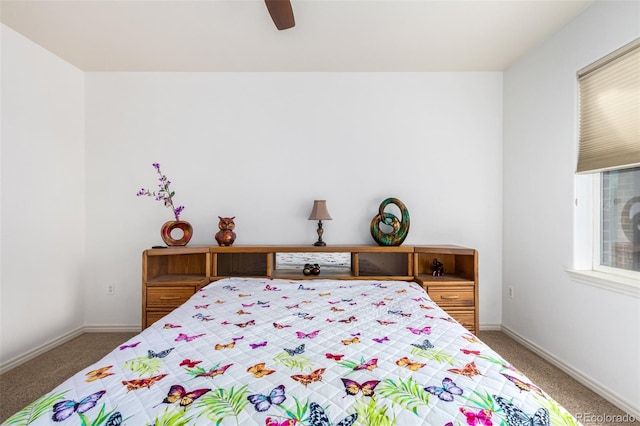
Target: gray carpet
<point>575,397</point>
<point>27,382</point>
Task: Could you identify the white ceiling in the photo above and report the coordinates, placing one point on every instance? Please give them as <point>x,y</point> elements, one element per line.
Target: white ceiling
<point>330,35</point>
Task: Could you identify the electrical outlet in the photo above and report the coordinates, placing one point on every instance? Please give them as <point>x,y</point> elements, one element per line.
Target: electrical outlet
<point>111,289</point>
<point>511,292</point>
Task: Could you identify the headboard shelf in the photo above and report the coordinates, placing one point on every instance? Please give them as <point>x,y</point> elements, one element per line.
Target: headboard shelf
<point>169,272</point>
<point>336,262</point>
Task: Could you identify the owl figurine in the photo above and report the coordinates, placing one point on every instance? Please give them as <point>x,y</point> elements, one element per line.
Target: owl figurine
<point>225,236</point>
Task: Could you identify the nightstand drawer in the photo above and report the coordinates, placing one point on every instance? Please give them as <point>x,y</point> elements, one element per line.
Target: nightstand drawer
<point>168,296</point>
<point>153,316</point>
<point>467,318</point>
<point>452,296</point>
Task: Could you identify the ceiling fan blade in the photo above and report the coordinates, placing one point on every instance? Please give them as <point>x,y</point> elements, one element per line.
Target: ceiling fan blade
<point>281,12</point>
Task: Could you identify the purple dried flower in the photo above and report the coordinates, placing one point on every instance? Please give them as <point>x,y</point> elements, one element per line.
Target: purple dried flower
<point>164,194</point>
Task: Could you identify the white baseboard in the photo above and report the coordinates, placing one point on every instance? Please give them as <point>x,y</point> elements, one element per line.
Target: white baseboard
<point>111,328</point>
<point>54,343</point>
<point>28,356</point>
<point>600,389</point>
<point>490,327</point>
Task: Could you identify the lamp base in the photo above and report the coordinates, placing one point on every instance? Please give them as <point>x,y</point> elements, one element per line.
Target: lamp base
<point>320,243</point>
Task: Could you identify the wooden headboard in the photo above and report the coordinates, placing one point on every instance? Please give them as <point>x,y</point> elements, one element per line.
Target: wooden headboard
<point>171,275</point>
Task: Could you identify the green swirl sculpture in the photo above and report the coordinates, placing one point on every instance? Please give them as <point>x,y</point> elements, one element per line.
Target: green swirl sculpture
<point>400,227</point>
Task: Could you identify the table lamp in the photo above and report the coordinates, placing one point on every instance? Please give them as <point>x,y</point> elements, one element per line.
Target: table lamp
<point>320,213</point>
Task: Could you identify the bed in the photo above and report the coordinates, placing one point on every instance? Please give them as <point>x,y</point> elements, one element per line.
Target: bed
<point>253,351</point>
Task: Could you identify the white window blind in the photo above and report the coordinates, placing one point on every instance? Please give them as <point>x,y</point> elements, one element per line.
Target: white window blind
<point>610,111</point>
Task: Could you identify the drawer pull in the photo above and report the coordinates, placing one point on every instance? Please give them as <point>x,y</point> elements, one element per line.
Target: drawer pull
<point>455,296</point>
<point>169,297</point>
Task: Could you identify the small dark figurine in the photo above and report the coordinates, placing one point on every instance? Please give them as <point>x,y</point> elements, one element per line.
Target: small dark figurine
<point>437,268</point>
<point>226,236</point>
<point>310,269</point>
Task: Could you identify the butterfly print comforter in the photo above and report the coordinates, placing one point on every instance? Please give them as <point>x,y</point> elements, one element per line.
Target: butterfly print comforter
<point>312,352</point>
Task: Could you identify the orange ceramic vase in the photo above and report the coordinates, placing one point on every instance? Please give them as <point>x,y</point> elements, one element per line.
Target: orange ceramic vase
<point>168,227</point>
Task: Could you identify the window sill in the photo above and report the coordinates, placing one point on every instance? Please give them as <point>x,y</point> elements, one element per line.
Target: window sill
<point>618,284</point>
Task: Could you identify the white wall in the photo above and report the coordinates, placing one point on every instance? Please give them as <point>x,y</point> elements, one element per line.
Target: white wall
<point>595,331</point>
<point>263,146</point>
<point>43,228</point>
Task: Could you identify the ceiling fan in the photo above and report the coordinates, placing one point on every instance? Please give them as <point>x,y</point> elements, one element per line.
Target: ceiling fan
<point>281,12</point>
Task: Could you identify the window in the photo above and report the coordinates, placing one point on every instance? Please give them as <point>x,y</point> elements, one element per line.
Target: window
<point>609,150</point>
<point>619,224</point>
